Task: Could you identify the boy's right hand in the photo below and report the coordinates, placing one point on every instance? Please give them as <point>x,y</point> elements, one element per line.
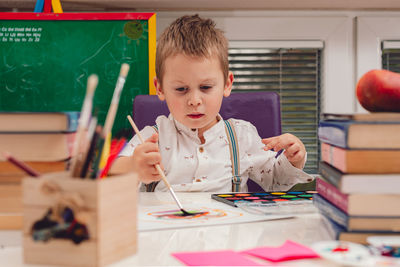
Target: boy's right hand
<point>145,157</point>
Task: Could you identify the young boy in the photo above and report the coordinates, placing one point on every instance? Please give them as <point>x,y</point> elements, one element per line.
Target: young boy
<point>192,145</point>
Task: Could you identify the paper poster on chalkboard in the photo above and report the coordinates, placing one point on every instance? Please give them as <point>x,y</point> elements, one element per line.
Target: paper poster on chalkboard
<point>47,58</point>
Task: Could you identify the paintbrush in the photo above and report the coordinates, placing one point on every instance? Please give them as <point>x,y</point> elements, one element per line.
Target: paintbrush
<point>160,171</point>
<point>115,100</point>
<point>112,111</point>
<point>77,153</point>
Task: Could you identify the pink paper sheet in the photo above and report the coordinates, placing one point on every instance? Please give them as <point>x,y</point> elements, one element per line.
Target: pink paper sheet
<point>214,258</point>
<point>288,251</point>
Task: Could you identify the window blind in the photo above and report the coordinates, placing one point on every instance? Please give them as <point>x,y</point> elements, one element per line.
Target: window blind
<point>391,55</point>
<point>294,73</point>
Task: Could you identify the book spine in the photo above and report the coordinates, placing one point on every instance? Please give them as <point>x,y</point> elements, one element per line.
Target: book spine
<point>330,211</point>
<point>332,194</point>
<point>332,175</point>
<point>73,120</point>
<point>332,227</point>
<point>334,156</point>
<point>334,133</point>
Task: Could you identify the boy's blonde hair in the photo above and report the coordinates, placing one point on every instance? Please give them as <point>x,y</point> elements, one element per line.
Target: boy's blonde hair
<point>192,36</point>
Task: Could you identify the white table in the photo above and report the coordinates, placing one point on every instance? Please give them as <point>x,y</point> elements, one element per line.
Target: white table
<point>155,247</point>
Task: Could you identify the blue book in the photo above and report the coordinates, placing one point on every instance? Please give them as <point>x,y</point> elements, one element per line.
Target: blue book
<point>361,133</point>
<point>31,122</point>
<point>338,232</point>
<point>356,223</point>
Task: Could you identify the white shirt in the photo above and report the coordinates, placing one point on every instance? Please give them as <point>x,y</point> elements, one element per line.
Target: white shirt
<point>192,166</point>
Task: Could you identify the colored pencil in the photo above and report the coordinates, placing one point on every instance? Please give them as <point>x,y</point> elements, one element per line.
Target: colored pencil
<point>30,171</point>
<point>85,146</point>
<point>97,155</point>
<point>115,148</point>
<point>92,148</point>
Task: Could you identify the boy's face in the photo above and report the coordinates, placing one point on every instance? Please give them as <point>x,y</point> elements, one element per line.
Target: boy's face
<point>193,89</point>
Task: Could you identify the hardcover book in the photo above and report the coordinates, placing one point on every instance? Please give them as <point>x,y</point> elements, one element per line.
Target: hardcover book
<point>340,233</point>
<point>360,183</point>
<point>360,204</point>
<point>45,146</point>
<point>360,134</point>
<point>9,169</point>
<point>39,121</point>
<point>370,116</point>
<point>359,223</point>
<point>360,160</point>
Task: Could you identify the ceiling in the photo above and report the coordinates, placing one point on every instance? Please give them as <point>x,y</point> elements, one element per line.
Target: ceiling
<point>177,5</point>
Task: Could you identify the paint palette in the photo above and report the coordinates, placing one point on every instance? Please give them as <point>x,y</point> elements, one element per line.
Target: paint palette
<point>266,203</point>
<point>344,253</point>
<point>264,198</point>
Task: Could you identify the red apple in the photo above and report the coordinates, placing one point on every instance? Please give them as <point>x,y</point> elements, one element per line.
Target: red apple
<point>379,90</point>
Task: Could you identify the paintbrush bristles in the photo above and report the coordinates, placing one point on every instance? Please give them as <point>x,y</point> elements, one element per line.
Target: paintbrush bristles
<point>124,70</point>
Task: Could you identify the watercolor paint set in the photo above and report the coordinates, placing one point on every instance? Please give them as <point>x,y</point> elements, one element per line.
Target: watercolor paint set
<point>264,198</point>
<point>282,202</point>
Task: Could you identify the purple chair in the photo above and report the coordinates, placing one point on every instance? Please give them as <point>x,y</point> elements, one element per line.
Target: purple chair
<point>262,109</point>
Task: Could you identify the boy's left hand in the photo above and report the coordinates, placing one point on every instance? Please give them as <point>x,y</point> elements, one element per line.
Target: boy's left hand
<point>295,151</point>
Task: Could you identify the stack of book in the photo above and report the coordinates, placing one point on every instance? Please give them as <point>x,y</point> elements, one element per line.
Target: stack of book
<point>43,141</point>
<point>359,183</point>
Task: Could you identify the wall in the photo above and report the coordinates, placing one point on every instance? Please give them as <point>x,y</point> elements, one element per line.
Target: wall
<point>351,42</point>
<point>164,5</point>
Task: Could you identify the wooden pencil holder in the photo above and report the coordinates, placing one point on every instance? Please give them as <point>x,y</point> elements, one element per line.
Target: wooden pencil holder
<point>107,208</point>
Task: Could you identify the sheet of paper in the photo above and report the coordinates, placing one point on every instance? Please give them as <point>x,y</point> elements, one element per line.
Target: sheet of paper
<point>214,258</point>
<point>288,251</point>
<point>152,218</point>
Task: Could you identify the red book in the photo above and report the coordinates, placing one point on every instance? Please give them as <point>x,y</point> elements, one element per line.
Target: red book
<point>360,204</point>
<point>332,194</point>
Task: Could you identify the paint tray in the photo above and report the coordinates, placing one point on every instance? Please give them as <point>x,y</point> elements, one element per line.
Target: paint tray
<point>293,207</point>
<point>282,202</point>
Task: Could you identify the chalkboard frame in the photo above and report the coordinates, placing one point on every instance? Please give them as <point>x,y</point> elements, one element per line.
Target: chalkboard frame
<point>150,18</point>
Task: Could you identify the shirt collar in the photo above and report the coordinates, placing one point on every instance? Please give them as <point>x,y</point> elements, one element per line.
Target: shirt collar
<point>188,131</point>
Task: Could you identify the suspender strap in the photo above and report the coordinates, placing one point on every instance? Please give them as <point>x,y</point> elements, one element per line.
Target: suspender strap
<point>155,127</point>
<point>152,186</point>
<point>234,150</point>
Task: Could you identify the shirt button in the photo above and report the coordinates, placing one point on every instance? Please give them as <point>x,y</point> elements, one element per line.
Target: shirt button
<point>198,180</point>
<point>201,149</point>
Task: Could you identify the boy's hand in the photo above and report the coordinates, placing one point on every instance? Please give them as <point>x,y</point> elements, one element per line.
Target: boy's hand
<point>294,149</point>
<point>145,157</point>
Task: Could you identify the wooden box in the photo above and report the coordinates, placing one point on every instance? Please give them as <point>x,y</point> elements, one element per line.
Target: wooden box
<point>10,205</point>
<point>109,209</point>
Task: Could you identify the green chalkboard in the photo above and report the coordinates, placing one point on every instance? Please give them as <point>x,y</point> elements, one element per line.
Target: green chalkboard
<point>45,62</point>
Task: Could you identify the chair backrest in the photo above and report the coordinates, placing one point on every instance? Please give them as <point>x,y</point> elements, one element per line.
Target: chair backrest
<point>262,109</point>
